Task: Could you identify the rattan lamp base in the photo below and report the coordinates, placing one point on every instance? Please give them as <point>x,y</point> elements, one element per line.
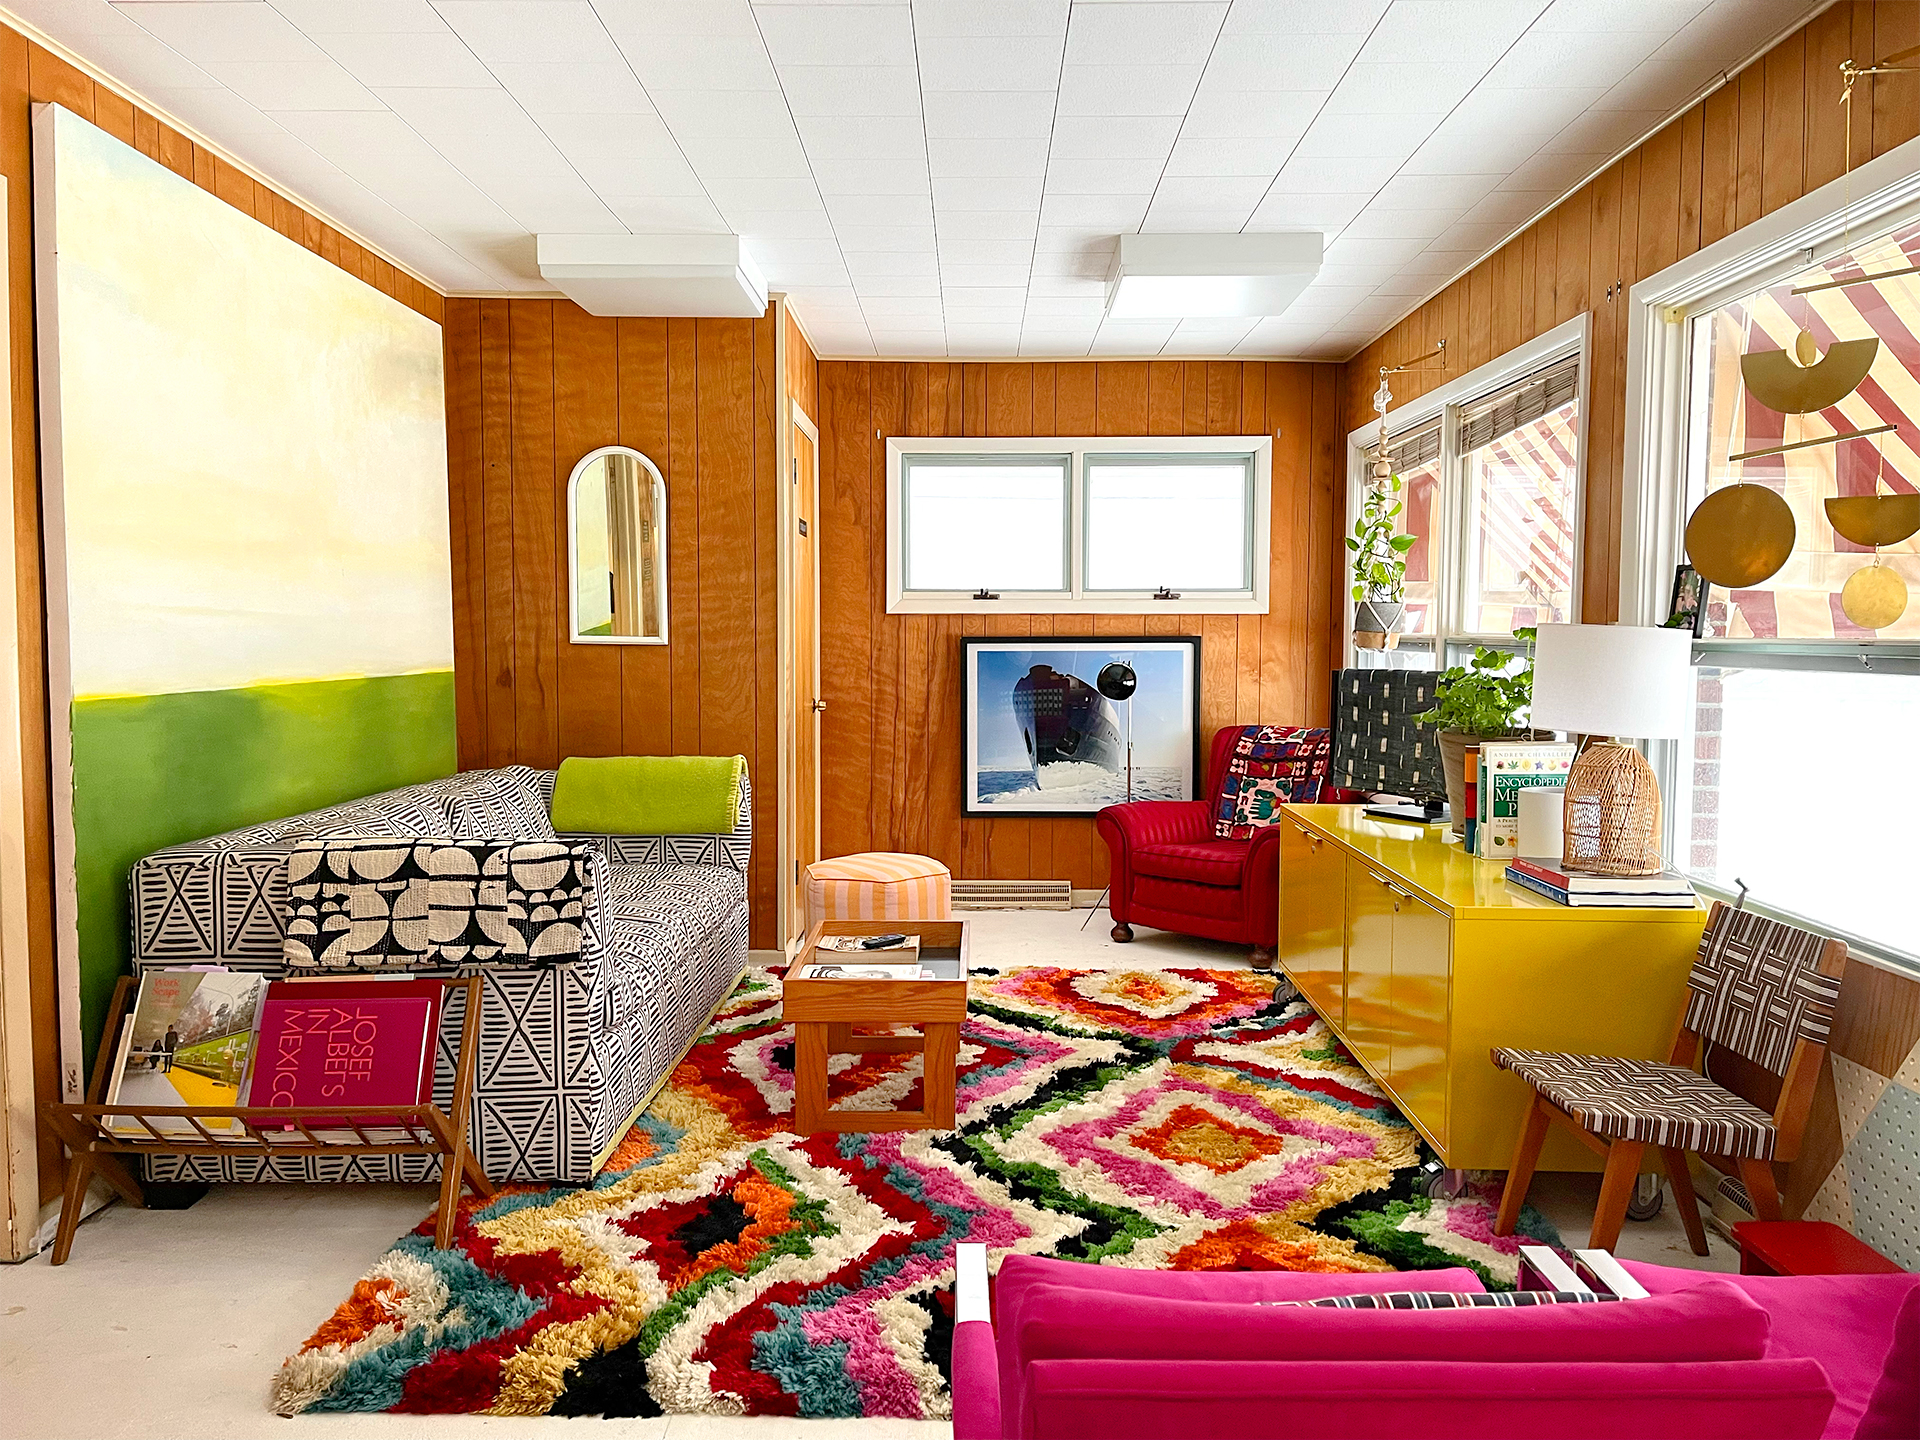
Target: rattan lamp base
<point>1613,812</point>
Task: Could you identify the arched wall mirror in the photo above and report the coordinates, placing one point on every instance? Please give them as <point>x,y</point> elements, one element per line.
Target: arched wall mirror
<point>617,549</point>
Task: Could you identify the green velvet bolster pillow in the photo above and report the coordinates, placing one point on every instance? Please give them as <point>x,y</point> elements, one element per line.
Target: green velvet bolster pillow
<point>648,794</point>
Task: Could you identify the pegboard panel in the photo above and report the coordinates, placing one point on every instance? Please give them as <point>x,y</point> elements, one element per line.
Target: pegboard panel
<point>1883,1173</point>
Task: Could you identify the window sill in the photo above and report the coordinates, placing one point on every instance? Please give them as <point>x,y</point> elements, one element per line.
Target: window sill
<point>1016,604</point>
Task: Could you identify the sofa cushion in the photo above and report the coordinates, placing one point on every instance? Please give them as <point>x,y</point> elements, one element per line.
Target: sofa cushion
<point>655,917</point>
<point>499,804</point>
<point>1200,862</point>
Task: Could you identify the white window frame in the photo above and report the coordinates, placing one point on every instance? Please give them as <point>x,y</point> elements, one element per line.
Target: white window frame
<point>1077,599</point>
<point>1446,404</point>
<point>1879,196</point>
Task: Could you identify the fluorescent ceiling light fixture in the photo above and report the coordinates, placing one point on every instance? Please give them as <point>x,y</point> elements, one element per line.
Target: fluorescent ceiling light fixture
<point>1197,277</point>
<point>654,274</point>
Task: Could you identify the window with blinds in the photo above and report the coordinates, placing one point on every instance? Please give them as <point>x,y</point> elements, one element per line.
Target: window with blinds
<point>1415,457</point>
<point>1520,404</point>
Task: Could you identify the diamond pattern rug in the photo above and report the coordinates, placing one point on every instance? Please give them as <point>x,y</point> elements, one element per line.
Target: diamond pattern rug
<point>1158,1119</point>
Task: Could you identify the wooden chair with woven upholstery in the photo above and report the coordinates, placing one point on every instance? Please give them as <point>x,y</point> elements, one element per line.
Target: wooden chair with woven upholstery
<point>1760,988</point>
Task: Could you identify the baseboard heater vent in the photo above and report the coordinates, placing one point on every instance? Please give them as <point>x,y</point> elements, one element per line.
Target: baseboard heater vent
<point>1013,894</point>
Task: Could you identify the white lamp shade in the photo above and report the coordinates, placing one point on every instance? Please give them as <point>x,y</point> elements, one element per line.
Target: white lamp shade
<point>1632,681</point>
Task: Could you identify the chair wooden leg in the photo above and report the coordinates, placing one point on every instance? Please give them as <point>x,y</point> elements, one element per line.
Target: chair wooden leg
<point>1616,1192</point>
<point>1757,1176</point>
<point>79,1171</point>
<point>1683,1197</point>
<point>452,1167</point>
<point>1526,1154</point>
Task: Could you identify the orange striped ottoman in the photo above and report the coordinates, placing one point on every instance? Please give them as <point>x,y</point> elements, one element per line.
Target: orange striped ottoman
<point>881,886</point>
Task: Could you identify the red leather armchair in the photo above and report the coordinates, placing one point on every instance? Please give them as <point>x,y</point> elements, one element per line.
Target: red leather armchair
<point>1170,871</point>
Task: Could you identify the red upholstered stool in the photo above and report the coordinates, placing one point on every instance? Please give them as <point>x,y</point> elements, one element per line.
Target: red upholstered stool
<point>1806,1247</point>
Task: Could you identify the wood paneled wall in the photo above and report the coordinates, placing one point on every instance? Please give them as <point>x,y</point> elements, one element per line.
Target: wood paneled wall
<point>29,75</point>
<point>891,764</point>
<point>533,385</point>
<point>1770,135</point>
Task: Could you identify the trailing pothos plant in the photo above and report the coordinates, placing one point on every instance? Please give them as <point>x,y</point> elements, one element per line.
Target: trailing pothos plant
<point>1487,696</point>
<point>1379,555</point>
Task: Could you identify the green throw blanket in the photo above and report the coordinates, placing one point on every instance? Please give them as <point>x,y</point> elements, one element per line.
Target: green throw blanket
<point>648,794</point>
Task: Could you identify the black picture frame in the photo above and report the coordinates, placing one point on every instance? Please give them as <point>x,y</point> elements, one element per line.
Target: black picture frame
<point>1088,654</point>
<point>1687,606</point>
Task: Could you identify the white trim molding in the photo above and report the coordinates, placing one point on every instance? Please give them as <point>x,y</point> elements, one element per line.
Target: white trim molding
<point>1076,598</point>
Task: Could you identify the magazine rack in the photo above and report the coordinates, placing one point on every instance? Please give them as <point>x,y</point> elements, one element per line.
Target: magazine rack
<point>341,1130</point>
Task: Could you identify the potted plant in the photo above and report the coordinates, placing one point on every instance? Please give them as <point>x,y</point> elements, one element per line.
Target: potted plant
<point>1481,700</point>
<point>1379,565</point>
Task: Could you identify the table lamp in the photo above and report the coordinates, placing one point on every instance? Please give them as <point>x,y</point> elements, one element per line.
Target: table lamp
<point>1606,684</point>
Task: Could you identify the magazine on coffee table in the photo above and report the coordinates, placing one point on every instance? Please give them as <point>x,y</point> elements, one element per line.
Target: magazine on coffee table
<point>902,949</point>
<point>861,970</point>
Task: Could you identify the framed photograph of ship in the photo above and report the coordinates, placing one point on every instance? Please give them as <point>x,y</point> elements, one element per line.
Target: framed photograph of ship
<point>1064,725</point>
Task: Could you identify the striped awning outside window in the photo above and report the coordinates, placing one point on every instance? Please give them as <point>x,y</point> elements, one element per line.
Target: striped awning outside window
<point>1519,404</point>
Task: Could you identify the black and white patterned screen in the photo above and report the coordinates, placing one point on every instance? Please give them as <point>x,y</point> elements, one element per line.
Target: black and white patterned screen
<point>1377,744</point>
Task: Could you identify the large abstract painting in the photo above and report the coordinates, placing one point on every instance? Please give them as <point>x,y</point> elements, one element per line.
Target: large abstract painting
<point>248,575</point>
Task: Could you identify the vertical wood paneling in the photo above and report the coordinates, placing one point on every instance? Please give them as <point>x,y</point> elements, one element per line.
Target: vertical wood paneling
<point>893,762</point>
<point>533,386</point>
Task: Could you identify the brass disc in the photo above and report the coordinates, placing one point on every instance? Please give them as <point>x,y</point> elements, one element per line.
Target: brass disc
<point>1875,519</point>
<point>1796,389</point>
<point>1874,597</point>
<point>1739,535</point>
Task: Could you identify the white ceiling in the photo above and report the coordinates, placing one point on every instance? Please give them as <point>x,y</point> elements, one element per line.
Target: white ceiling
<point>929,177</point>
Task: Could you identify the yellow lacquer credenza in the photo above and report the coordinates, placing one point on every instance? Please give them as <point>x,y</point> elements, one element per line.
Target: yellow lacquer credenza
<point>1422,958</point>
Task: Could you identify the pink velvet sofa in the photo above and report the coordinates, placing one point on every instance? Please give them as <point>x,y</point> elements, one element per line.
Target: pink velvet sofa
<point>1085,1352</point>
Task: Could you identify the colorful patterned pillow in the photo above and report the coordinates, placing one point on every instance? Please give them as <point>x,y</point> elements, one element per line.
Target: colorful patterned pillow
<point>1271,766</point>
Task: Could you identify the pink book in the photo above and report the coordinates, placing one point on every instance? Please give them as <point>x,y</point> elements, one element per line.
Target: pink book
<point>353,1042</point>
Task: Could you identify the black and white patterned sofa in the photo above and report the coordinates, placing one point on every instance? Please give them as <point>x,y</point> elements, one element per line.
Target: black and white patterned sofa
<point>570,1052</point>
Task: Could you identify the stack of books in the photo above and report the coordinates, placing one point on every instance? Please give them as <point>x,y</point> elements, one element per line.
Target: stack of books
<point>1669,890</point>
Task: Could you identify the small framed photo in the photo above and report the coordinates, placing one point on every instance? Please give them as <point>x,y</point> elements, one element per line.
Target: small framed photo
<point>1066,725</point>
<point>1687,610</point>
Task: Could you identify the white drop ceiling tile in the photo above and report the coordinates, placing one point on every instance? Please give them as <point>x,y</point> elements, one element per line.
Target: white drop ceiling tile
<point>1365,137</point>
<point>962,251</point>
<point>941,19</point>
<point>1456,151</point>
<point>1127,89</point>
<point>1611,16</point>
<point>716,157</point>
<point>908,346</point>
<point>1142,337</point>
<point>223,113</point>
<point>1007,62</point>
<point>1607,131</point>
<point>861,137</point>
<point>1104,177</point>
<point>885,238</point>
<point>738,115</point>
<point>1715,32</point>
<point>435,58</point>
<point>1248,156</point>
<point>318,84</point>
<point>868,265</point>
<point>1195,220</point>
<point>157,65</point>
<point>1120,213</point>
<point>995,192</point>
<point>1074,239</point>
<point>720,63</point>
<point>1512,207</point>
<point>1303,17</point>
<point>1437,264</point>
<point>878,287</point>
<point>853,177</point>
<point>974,297</point>
<point>623,154</point>
<point>900,310</point>
<point>1463,31</point>
<point>961,157</point>
<point>1406,288</point>
<point>1378,220</point>
<point>1085,307</point>
<point>364,17</point>
<point>793,250</point>
<point>740,194</point>
<point>800,224</point>
<point>787,275</point>
<point>852,89</point>
<point>1067,286</point>
<point>1042,345</point>
<point>1434,192</point>
<point>1113,137</point>
<point>553,202</point>
<point>522,30</point>
<point>1347,176</point>
<point>1281,61</point>
<point>1286,211</point>
<point>989,114</point>
<point>1661,85</point>
<point>1133,34</point>
<point>835,341</point>
<point>220,31</point>
<point>985,345</point>
<point>667,214</point>
<point>1211,192</point>
<point>1213,331</point>
<point>1400,89</point>
<point>837,34</point>
<point>548,87</point>
<point>1589,58</point>
<point>1381,250</point>
<point>1254,113</point>
<point>1486,136</point>
<point>880,209</point>
<point>954,277</point>
<point>985,224</point>
<point>1473,235</point>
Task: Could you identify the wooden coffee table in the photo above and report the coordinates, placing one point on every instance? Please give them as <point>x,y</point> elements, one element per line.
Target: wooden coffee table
<point>826,1013</point>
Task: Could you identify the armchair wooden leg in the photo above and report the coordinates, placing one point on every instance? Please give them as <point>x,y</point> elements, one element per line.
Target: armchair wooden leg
<point>1526,1154</point>
<point>1616,1192</point>
<point>1122,933</point>
<point>1263,957</point>
<point>1683,1197</point>
<point>1757,1176</point>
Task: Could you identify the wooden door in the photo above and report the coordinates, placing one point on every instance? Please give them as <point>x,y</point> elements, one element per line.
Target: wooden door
<point>1422,971</point>
<point>803,572</point>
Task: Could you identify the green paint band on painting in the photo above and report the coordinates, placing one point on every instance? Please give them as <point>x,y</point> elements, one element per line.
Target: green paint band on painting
<point>156,770</point>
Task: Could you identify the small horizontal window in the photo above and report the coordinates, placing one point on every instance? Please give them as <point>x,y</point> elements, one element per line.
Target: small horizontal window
<point>1158,524</point>
<point>975,523</point>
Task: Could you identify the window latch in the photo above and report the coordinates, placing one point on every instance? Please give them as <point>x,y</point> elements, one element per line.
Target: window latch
<point>1163,593</point>
<point>985,594</point>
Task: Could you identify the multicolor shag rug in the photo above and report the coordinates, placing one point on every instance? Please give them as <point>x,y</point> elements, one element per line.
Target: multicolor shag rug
<point>1160,1119</point>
